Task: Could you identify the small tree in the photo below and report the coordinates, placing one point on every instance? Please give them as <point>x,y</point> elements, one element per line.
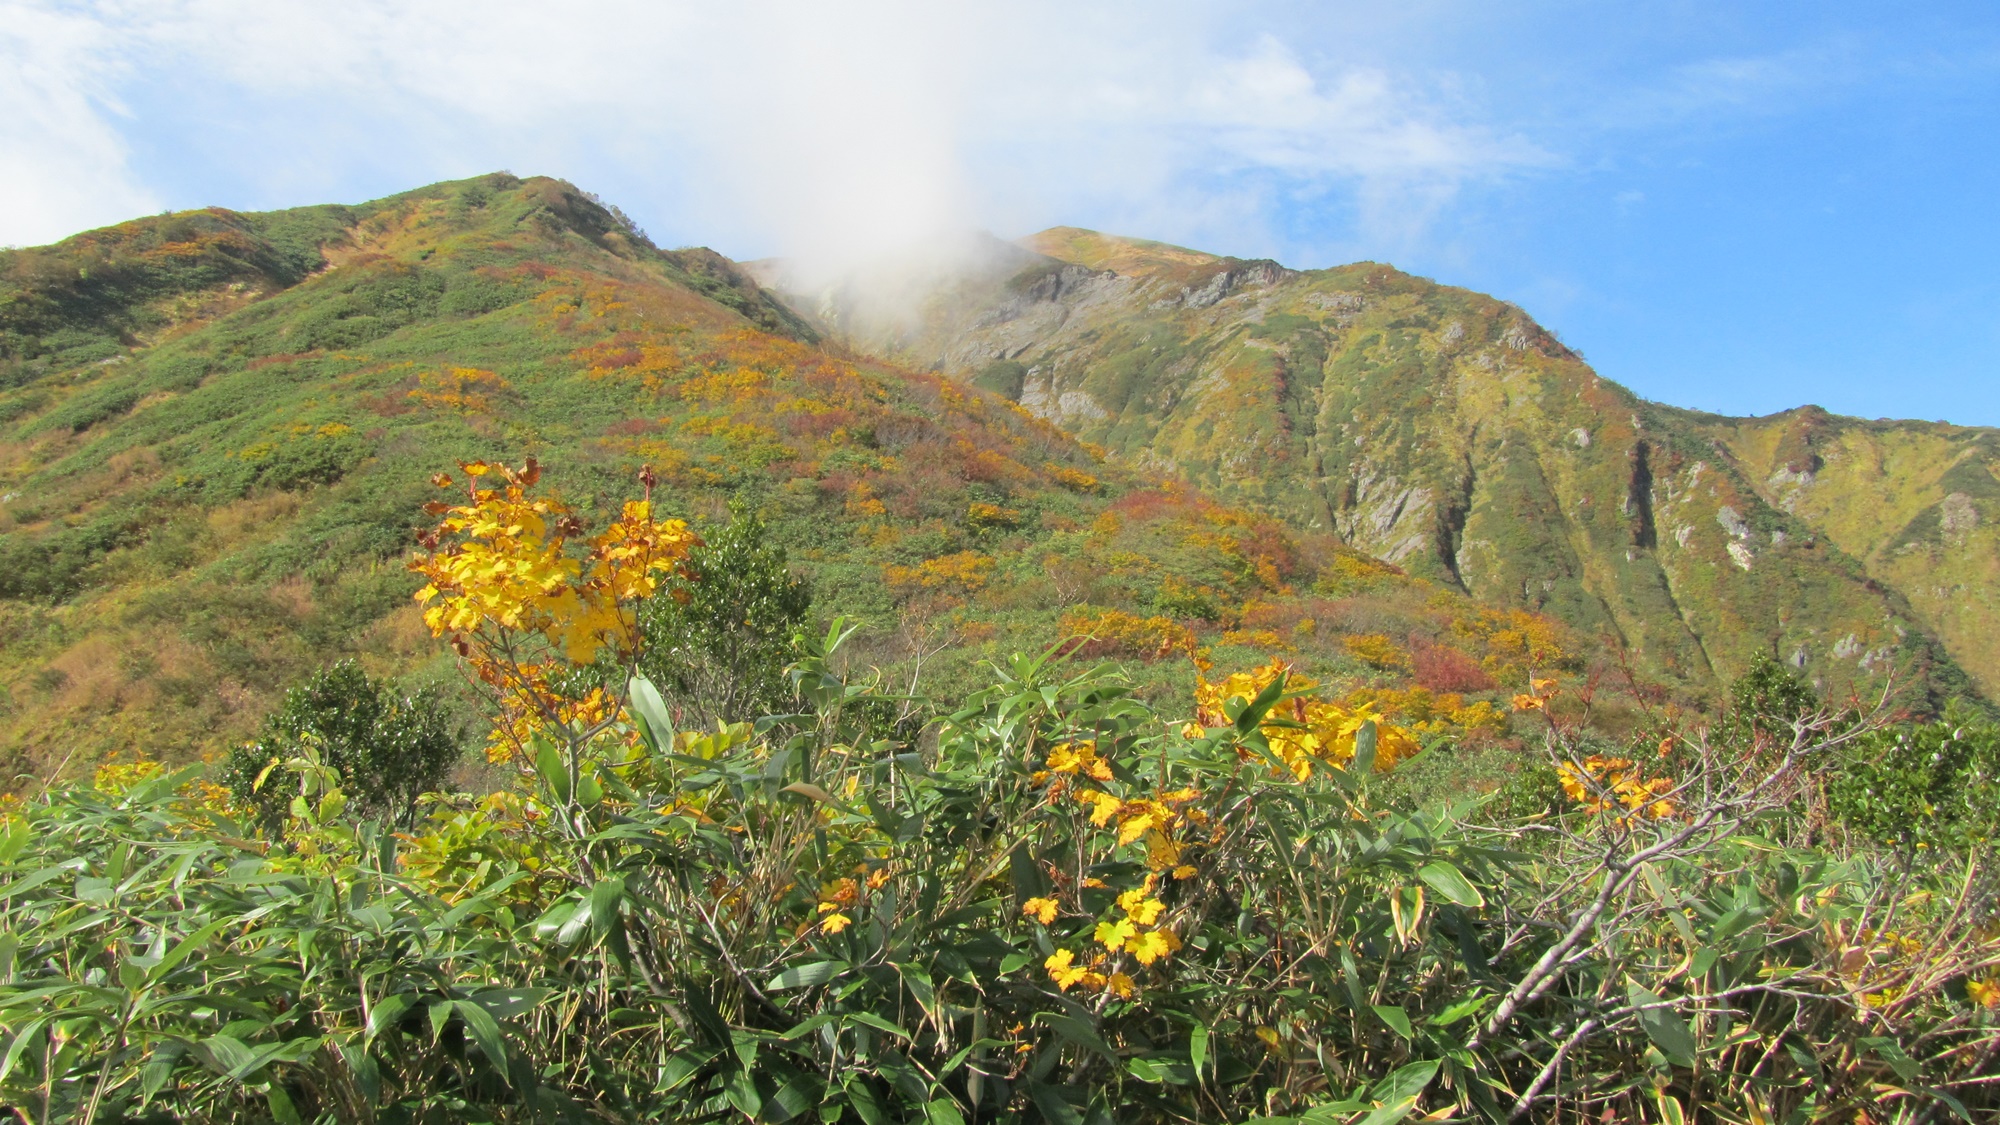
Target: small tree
<point>388,748</point>
<point>719,636</point>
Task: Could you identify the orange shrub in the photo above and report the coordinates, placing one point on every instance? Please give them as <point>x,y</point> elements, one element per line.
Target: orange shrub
<point>1113,632</point>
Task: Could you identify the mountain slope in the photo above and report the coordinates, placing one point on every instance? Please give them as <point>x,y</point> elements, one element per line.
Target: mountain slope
<point>1446,432</point>
<point>217,433</point>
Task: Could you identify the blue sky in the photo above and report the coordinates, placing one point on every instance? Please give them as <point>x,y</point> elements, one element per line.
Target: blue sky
<point>1727,206</point>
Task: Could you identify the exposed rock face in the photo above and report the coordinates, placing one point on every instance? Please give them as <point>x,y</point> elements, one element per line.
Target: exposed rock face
<point>1447,432</point>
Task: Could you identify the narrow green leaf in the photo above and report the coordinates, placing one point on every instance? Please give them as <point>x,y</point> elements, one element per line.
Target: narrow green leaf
<point>1889,1051</point>
<point>1398,1093</point>
<point>604,900</point>
<point>943,1111</point>
<point>185,947</point>
<point>555,772</point>
<point>1664,1026</point>
<point>485,1031</point>
<point>21,1042</point>
<point>1055,1108</point>
<point>649,709</point>
<point>282,1108</point>
<point>1078,1032</point>
<point>862,1097</point>
<point>1704,959</point>
<point>879,1024</point>
<point>387,1012</point>
<point>439,1014</point>
<point>1198,1046</point>
<point>1450,882</point>
<point>1365,739</point>
<point>1396,1018</point>
<point>807,976</point>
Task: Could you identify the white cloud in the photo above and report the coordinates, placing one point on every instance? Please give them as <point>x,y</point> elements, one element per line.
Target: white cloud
<point>66,163</point>
<point>766,125</point>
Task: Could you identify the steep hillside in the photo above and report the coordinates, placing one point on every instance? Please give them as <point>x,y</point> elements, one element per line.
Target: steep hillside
<point>1446,432</point>
<point>217,433</point>
<point>1917,502</point>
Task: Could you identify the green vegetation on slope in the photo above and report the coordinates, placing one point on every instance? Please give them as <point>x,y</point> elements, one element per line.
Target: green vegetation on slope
<point>1445,432</point>
<point>227,504</point>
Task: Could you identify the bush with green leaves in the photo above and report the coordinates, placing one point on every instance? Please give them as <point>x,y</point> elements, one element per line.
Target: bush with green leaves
<point>387,748</point>
<point>719,638</point>
<point>1052,906</point>
<point>1923,787</point>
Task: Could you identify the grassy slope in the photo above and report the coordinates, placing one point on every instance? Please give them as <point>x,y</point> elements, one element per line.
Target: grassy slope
<point>1439,429</point>
<point>218,432</point>
<point>1917,502</point>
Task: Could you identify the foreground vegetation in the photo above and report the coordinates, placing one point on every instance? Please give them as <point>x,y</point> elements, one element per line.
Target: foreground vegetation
<point>1043,900</point>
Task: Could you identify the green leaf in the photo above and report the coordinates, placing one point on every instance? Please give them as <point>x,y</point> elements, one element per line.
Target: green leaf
<point>943,1111</point>
<point>879,1024</point>
<point>649,710</point>
<point>1251,716</point>
<point>504,1003</point>
<point>1458,1011</point>
<point>1891,1052</point>
<point>1365,740</point>
<point>15,840</point>
<point>485,1031</point>
<point>387,1012</point>
<point>1078,1032</point>
<point>604,900</point>
<point>1664,1026</point>
<point>22,1040</point>
<point>1398,1093</point>
<point>1198,1046</point>
<point>282,1108</point>
<point>1396,1018</point>
<point>1450,882</point>
<point>1671,1112</point>
<point>1704,959</point>
<point>862,1097</point>
<point>1055,1108</point>
<point>807,976</point>
<point>555,772</point>
<point>185,947</point>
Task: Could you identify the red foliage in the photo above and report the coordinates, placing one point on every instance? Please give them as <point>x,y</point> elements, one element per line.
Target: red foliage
<point>1446,669</point>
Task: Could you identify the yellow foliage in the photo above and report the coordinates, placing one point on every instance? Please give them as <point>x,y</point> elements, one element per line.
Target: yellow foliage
<point>1324,732</point>
<point>470,389</point>
<point>1377,651</point>
<point>498,572</point>
<point>1072,479</point>
<point>1425,711</point>
<point>1600,782</point>
<point>1123,633</point>
<point>963,572</point>
<point>991,515</point>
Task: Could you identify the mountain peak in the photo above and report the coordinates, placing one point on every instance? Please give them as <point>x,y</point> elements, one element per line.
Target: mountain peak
<point>1098,251</point>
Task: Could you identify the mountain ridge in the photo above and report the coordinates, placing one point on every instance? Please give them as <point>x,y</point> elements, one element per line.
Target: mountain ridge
<point>212,468</point>
<point>1446,430</point>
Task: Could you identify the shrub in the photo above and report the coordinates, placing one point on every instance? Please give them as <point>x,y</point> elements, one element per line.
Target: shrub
<point>1052,904</point>
<point>387,749</point>
<point>719,638</point>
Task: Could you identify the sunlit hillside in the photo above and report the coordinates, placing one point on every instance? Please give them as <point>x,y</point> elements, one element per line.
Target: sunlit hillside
<point>220,432</point>
<point>1446,432</point>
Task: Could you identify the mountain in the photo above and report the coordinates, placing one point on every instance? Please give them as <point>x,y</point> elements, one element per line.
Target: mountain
<point>1446,432</point>
<point>218,432</point>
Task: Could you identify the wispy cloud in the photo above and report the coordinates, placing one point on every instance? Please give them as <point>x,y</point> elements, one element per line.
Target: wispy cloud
<point>767,126</point>
<point>59,134</point>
